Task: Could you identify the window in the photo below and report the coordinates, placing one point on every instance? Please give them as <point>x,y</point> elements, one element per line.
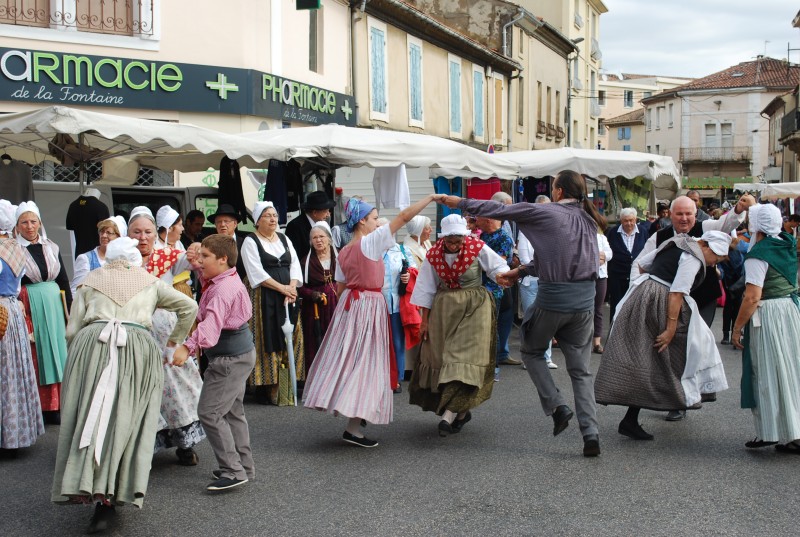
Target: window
<point>649,149</point>
<point>558,108</point>
<point>478,113</point>
<point>539,101</point>
<point>658,149</point>
<point>601,129</point>
<point>521,101</point>
<point>415,112</point>
<point>669,115</point>
<point>549,105</point>
<point>726,132</point>
<point>315,40</point>
<point>628,99</point>
<point>659,113</point>
<point>646,94</point>
<point>100,22</point>
<point>454,70</point>
<point>649,119</point>
<point>626,148</point>
<point>601,97</point>
<point>711,134</point>
<point>623,133</point>
<point>378,105</point>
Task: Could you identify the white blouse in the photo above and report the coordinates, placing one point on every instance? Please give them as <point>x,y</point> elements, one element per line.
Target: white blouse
<point>373,247</point>
<point>81,269</point>
<point>755,271</point>
<point>603,246</point>
<point>256,274</point>
<point>688,267</point>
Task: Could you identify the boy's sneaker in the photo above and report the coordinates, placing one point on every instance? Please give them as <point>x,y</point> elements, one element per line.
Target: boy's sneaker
<point>217,474</point>
<point>225,483</point>
<point>552,365</point>
<point>358,441</point>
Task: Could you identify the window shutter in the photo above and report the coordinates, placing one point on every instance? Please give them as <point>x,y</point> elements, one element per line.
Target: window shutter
<point>455,97</point>
<point>477,86</point>
<point>378,71</point>
<point>415,64</point>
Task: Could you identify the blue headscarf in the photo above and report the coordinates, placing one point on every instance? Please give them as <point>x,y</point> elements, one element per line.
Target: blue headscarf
<point>355,211</point>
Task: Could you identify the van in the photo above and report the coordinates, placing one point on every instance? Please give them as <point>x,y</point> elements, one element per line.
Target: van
<point>54,199</point>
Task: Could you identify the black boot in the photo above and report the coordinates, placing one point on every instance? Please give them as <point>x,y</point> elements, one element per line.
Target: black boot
<point>103,519</point>
<point>726,338</point>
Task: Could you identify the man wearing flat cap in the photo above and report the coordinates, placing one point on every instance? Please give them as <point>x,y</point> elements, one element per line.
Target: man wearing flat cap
<point>316,208</point>
<point>225,220</point>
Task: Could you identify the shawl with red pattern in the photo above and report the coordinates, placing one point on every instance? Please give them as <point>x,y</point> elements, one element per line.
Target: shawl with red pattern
<point>451,274</point>
<point>162,260</point>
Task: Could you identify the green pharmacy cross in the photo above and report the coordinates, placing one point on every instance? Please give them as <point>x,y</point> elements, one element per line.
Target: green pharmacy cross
<point>222,86</point>
<point>346,109</point>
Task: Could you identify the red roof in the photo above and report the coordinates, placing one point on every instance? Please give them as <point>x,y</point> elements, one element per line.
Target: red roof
<point>637,116</point>
<point>761,72</point>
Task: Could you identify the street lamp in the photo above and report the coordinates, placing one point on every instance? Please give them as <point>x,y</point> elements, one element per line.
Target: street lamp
<point>569,89</point>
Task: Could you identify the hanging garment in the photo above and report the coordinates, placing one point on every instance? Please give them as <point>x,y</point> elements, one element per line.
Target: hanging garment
<point>16,183</point>
<point>230,187</point>
<point>391,187</point>
<point>82,217</point>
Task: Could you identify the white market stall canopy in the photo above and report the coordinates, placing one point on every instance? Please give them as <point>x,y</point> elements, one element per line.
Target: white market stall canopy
<point>661,170</point>
<point>97,137</point>
<point>775,191</point>
<point>355,147</point>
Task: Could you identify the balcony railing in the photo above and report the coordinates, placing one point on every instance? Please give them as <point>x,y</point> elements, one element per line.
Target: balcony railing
<point>715,154</point>
<point>594,108</point>
<point>118,17</point>
<point>790,123</point>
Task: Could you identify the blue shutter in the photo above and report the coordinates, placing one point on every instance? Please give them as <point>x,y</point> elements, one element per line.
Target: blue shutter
<point>620,133</point>
<point>378,61</point>
<point>626,148</point>
<point>477,87</point>
<point>627,133</point>
<point>455,97</point>
<point>415,74</point>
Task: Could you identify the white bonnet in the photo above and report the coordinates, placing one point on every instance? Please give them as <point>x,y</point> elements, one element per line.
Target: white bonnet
<point>454,225</point>
<point>766,219</point>
<point>417,224</point>
<point>8,219</point>
<point>259,208</point>
<point>124,248</point>
<point>166,217</point>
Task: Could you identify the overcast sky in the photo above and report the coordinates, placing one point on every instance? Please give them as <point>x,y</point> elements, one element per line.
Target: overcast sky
<point>694,38</point>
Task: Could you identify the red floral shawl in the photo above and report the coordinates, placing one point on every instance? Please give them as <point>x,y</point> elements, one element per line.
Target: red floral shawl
<point>450,275</point>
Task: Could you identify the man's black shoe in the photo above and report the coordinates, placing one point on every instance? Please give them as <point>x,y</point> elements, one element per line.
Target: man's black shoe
<point>225,483</point>
<point>708,397</point>
<point>561,417</point>
<point>591,445</point>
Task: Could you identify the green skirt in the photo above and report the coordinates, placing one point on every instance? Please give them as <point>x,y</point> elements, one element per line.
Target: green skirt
<point>47,316</point>
<point>455,370</point>
<point>124,468</point>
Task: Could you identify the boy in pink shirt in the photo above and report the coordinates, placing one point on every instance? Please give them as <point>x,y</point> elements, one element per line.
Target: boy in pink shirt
<point>224,336</point>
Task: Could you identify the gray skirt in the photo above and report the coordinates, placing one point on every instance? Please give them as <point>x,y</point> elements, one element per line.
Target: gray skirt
<point>632,372</point>
<point>124,468</point>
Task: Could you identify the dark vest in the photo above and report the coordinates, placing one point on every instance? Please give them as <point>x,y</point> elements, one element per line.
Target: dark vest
<point>273,313</point>
<point>708,290</point>
<point>665,266</point>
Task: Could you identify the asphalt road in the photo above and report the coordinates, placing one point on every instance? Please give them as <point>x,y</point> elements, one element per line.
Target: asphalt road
<point>504,474</point>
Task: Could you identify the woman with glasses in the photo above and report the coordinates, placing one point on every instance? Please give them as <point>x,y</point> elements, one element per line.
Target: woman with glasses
<point>108,230</point>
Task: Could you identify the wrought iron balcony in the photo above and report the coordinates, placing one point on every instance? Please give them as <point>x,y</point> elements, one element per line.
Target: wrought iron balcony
<point>578,21</point>
<point>790,123</point>
<point>594,108</point>
<point>119,17</point>
<point>716,154</point>
<point>596,54</point>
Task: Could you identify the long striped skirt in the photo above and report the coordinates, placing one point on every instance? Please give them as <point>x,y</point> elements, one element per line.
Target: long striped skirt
<point>350,374</point>
<point>20,411</point>
<point>775,354</point>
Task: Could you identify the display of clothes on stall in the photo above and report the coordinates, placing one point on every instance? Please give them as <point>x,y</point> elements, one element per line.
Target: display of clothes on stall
<point>391,187</point>
<point>16,181</point>
<point>230,187</point>
<point>82,217</point>
<point>482,189</point>
<point>284,187</point>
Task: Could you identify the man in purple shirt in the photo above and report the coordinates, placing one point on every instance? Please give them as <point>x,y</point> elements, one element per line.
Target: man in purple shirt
<point>564,237</point>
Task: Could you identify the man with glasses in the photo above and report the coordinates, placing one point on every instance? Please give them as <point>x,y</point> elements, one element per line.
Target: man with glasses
<point>225,220</point>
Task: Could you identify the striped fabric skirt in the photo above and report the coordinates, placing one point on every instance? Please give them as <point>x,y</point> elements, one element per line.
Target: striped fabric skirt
<point>20,411</point>
<point>775,353</point>
<point>350,374</point>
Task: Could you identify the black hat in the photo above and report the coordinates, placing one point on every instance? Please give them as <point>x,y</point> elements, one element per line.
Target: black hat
<point>316,201</point>
<point>224,209</point>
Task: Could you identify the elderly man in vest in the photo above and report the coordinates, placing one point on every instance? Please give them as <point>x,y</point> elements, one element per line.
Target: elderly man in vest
<point>684,221</point>
<point>627,239</point>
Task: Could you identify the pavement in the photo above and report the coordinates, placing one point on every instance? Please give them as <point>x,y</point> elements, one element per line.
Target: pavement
<point>504,474</point>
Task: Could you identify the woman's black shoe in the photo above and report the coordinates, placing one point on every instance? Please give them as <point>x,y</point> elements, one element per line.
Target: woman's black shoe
<point>446,428</point>
<point>103,519</point>
<point>459,423</point>
<point>633,430</point>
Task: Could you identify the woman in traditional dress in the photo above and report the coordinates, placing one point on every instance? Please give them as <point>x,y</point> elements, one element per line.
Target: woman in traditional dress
<point>351,374</point>
<point>417,242</point>
<point>108,230</point>
<point>179,426</point>
<point>273,274</point>
<point>44,281</point>
<point>455,372</point>
<point>660,354</point>
<point>113,384</point>
<point>20,411</point>
<point>771,321</point>
<point>319,289</point>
